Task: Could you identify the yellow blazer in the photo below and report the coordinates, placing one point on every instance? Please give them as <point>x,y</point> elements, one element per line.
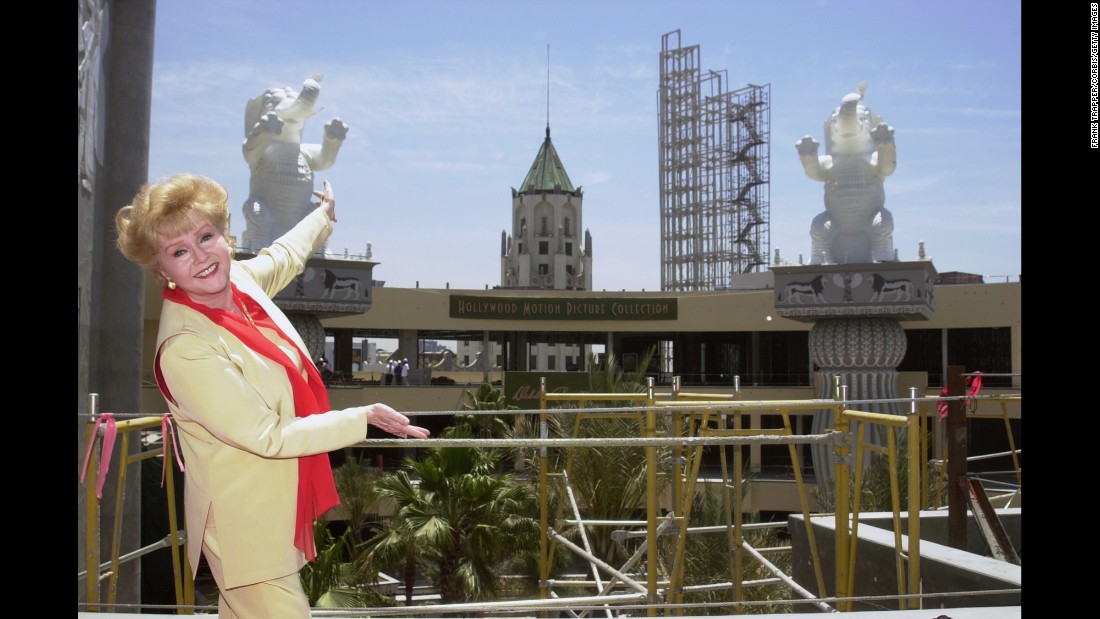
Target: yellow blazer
<point>234,410</point>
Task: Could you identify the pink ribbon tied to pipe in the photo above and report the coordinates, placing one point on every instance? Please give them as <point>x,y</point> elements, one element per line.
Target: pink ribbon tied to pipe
<point>107,420</point>
<point>166,430</point>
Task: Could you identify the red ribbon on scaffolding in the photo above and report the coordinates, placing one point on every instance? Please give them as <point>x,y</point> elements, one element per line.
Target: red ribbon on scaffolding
<point>941,404</point>
<point>973,388</point>
<point>109,432</point>
<point>168,430</point>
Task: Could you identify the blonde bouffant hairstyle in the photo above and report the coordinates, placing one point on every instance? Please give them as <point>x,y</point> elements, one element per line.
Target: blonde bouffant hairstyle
<point>169,208</point>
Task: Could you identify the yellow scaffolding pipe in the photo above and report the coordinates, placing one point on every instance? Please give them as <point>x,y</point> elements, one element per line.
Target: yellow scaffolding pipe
<point>726,406</point>
<point>687,420</point>
<point>1003,402</point>
<point>685,487</point>
<point>647,426</point>
<point>545,558</point>
<point>652,556</point>
<point>676,577</point>
<point>906,583</point>
<point>182,579</point>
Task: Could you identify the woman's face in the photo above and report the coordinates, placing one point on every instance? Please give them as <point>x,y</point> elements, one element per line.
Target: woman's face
<point>198,261</point>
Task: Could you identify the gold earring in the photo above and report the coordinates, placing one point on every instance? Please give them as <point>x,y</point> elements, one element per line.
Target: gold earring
<point>171,285</point>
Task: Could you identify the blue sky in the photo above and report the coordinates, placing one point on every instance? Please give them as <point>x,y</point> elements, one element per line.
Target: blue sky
<point>447,108</point>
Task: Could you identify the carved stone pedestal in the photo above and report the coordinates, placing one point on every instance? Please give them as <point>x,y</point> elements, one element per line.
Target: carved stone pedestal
<point>328,287</point>
<point>863,354</point>
<point>857,336</point>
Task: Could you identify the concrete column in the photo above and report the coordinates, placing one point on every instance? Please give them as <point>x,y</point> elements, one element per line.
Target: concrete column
<point>342,348</point>
<point>115,95</point>
<point>486,350</point>
<point>516,351</point>
<point>864,352</point>
<point>408,347</point>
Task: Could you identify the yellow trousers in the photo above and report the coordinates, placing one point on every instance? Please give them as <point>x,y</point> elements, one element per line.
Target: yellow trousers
<point>281,598</point>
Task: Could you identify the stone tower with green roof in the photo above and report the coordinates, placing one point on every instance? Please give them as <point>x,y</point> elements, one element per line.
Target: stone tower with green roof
<point>544,249</point>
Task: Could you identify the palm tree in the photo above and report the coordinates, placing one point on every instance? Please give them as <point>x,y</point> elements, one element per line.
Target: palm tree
<point>707,560</point>
<point>323,574</point>
<point>486,398</point>
<point>462,518</point>
<point>358,499</point>
<point>330,581</point>
<point>392,545</point>
<point>333,580</point>
<point>610,481</point>
<point>609,377</point>
<point>876,491</point>
<point>489,398</point>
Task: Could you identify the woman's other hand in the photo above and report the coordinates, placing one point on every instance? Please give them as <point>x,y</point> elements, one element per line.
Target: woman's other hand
<point>383,417</point>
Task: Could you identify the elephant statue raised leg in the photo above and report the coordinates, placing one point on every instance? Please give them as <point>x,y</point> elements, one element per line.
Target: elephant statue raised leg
<point>281,184</point>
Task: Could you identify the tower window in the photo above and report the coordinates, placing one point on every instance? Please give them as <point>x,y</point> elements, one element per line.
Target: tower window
<point>544,248</point>
<point>568,249</point>
<point>544,269</point>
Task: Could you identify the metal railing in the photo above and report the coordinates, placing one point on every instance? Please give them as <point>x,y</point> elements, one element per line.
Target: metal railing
<point>673,429</point>
<point>103,427</point>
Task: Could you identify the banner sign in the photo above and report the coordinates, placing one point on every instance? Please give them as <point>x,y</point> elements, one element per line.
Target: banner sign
<point>522,388</point>
<point>526,308</point>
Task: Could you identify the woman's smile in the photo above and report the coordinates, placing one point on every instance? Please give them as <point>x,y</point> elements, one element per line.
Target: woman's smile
<point>198,262</point>
<point>207,271</point>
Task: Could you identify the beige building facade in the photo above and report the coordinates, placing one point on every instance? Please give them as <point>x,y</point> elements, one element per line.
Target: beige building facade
<point>702,328</point>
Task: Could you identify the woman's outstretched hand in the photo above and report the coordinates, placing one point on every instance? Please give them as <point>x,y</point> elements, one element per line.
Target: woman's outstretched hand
<point>383,417</point>
<point>328,201</point>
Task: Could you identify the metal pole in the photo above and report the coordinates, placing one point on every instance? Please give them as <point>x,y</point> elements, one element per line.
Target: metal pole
<point>841,477</point>
<point>956,457</point>
<point>913,445</point>
<point>544,513</point>
<point>652,556</point>
<point>91,503</point>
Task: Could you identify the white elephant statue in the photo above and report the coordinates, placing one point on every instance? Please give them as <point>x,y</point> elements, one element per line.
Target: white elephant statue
<point>859,154</point>
<point>281,185</point>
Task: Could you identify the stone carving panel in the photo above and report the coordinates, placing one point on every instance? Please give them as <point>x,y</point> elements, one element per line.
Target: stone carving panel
<point>895,289</point>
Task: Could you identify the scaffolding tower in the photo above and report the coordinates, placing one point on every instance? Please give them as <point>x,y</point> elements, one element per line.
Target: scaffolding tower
<point>714,173</point>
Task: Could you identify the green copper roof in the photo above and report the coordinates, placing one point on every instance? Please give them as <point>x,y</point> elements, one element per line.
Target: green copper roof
<point>546,173</point>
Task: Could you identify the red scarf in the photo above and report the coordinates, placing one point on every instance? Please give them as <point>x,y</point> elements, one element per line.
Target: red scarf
<point>316,486</point>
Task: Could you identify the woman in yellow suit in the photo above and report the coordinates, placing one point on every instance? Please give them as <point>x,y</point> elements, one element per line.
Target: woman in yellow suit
<point>252,411</point>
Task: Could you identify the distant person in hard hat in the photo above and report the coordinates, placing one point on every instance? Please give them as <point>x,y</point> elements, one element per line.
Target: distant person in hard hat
<point>322,368</point>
